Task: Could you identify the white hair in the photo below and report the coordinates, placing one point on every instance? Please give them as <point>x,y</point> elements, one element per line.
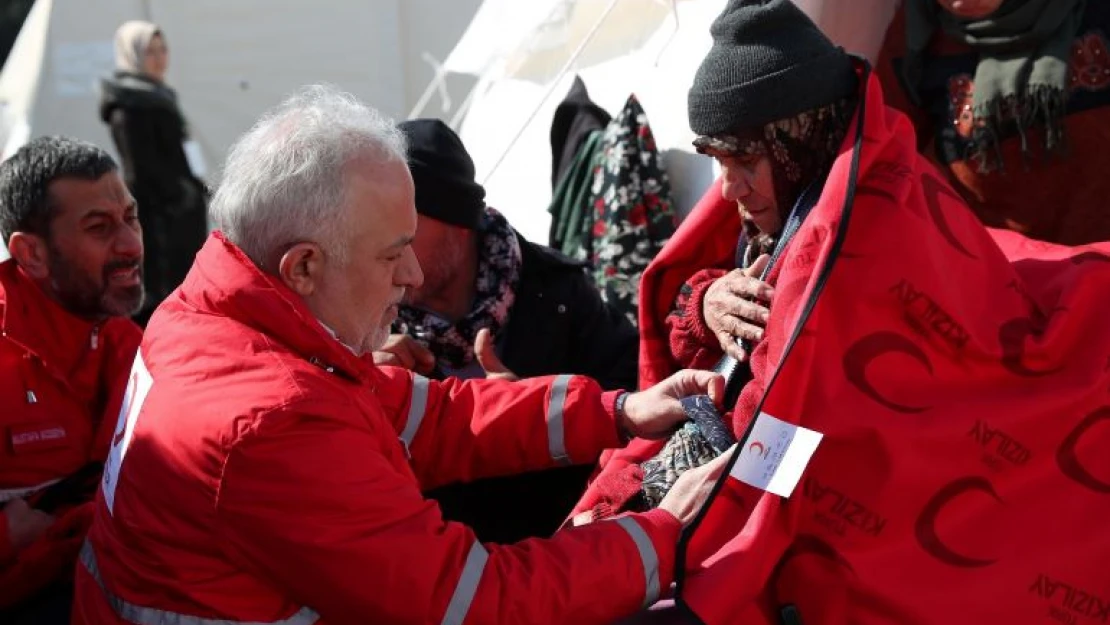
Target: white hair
<point>283,181</point>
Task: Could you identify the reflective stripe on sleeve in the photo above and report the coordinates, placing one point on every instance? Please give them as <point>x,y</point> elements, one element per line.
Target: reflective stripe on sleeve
<point>142,615</point>
<point>418,406</point>
<point>467,587</point>
<point>556,423</point>
<point>648,557</point>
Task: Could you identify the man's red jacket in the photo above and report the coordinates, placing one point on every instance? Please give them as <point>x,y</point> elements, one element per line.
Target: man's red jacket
<point>961,380</point>
<point>60,392</point>
<point>264,474</point>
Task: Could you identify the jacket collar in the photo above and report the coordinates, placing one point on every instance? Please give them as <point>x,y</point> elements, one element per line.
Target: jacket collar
<point>224,281</point>
<point>58,338</point>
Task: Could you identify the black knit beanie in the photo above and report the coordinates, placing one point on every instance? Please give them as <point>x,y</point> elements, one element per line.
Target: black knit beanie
<point>769,61</point>
<point>443,174</point>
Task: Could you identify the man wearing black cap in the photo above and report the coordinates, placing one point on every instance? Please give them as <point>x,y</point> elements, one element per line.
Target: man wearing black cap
<point>542,314</point>
<point>495,304</point>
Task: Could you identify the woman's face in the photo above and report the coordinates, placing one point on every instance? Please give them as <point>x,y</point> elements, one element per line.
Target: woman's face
<point>970,9</point>
<point>156,58</point>
<point>749,181</point>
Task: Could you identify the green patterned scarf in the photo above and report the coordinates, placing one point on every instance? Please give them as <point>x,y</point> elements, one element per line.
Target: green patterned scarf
<point>1021,78</point>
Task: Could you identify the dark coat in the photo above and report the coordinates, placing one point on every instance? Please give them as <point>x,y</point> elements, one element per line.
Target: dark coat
<point>557,325</point>
<point>575,119</point>
<point>148,130</point>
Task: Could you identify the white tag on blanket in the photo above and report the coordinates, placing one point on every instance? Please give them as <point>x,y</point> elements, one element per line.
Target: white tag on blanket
<point>775,455</point>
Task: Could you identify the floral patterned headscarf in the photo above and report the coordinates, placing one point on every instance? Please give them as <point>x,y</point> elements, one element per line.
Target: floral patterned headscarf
<point>801,148</point>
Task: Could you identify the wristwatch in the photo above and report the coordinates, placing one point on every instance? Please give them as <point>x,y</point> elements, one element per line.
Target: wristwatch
<point>620,416</point>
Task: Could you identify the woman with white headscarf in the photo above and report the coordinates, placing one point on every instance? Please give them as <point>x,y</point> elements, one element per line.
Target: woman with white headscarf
<point>150,134</point>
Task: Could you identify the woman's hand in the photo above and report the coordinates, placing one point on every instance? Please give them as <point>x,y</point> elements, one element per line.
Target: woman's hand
<point>735,307</point>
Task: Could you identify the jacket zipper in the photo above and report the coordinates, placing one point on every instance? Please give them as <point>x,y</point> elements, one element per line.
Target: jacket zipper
<point>28,391</point>
<point>728,366</point>
<point>28,374</point>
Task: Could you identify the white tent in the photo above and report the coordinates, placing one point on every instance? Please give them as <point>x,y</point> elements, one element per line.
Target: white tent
<point>618,47</point>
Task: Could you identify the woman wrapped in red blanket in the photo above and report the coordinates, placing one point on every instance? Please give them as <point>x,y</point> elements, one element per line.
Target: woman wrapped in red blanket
<point>955,378</point>
<point>774,141</point>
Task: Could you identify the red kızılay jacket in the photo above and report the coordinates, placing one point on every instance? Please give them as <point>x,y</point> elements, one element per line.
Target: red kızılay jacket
<point>63,378</point>
<point>264,474</point>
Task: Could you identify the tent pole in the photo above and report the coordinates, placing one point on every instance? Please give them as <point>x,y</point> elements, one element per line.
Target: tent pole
<point>437,83</point>
<point>554,84</point>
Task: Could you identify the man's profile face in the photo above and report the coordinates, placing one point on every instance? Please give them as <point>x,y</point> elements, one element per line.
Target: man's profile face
<point>358,299</point>
<point>439,249</point>
<point>95,247</point>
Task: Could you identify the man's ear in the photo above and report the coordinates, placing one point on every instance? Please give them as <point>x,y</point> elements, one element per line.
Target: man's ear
<point>31,254</point>
<point>301,268</point>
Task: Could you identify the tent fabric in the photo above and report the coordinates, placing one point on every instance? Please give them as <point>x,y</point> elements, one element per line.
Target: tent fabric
<point>961,381</point>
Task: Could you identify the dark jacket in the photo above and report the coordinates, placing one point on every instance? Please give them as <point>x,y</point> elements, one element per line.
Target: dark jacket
<point>575,119</point>
<point>557,325</point>
<point>148,130</point>
<point>560,325</point>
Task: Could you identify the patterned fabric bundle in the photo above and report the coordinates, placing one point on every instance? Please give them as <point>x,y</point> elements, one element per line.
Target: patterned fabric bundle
<point>701,439</point>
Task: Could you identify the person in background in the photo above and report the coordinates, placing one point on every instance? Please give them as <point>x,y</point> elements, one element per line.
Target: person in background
<point>1012,100</point>
<point>541,312</point>
<point>496,304</point>
<point>152,139</point>
<point>267,471</point>
<point>66,346</point>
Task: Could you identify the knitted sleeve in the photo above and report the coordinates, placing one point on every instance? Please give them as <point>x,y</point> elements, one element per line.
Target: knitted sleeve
<point>692,343</point>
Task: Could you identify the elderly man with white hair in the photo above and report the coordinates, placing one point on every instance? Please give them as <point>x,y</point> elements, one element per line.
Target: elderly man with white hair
<point>263,470</point>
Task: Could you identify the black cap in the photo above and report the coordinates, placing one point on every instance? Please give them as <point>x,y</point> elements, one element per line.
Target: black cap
<point>443,174</point>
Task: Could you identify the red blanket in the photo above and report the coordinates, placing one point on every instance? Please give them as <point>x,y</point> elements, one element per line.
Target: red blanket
<point>961,380</point>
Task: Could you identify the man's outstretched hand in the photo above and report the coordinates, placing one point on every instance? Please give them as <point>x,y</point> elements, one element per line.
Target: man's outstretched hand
<point>654,413</point>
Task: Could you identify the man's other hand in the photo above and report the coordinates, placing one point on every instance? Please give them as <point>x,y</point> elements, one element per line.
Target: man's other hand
<point>401,350</point>
<point>25,524</point>
<point>487,357</point>
<point>692,489</point>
